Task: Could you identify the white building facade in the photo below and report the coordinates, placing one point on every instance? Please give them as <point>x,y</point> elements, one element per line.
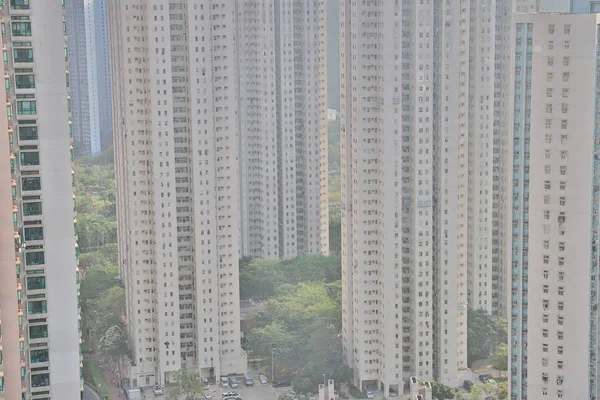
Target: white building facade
<point>284,208</point>
<point>555,180</point>
<point>422,185</point>
<point>175,111</point>
<point>45,319</point>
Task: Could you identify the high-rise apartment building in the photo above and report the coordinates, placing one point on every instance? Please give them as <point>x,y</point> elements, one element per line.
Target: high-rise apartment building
<point>555,180</point>
<point>284,208</point>
<point>39,281</point>
<point>81,43</point>
<point>422,183</point>
<point>88,45</point>
<point>102,46</point>
<point>175,110</point>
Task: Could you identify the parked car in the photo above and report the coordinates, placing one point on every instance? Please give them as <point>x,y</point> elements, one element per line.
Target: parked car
<point>230,394</point>
<point>282,383</point>
<point>206,382</point>
<point>208,397</point>
<point>368,393</point>
<point>224,382</point>
<point>483,378</point>
<point>336,395</point>
<point>234,383</point>
<point>393,393</point>
<point>249,381</point>
<point>468,385</point>
<point>263,379</point>
<point>157,389</point>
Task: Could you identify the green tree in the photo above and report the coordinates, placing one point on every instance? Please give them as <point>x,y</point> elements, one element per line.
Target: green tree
<point>498,390</point>
<point>499,357</point>
<point>484,333</point>
<point>441,391</point>
<point>188,384</point>
<point>113,345</point>
<point>108,309</point>
<point>335,228</point>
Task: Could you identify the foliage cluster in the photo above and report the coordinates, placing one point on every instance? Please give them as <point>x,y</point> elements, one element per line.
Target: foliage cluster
<point>484,334</point>
<point>260,279</point>
<point>300,327</point>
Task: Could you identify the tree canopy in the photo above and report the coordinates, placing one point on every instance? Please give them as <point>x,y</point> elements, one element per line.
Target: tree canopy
<point>260,279</point>
<point>188,384</point>
<point>484,333</point>
<point>301,323</point>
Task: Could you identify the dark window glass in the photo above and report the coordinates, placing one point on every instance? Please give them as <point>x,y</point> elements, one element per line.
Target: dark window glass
<point>34,233</point>
<point>34,258</point>
<point>25,81</point>
<point>30,158</point>
<point>32,208</point>
<point>36,283</point>
<point>31,183</point>
<point>28,133</point>
<point>23,55</point>
<point>38,332</point>
<point>21,28</point>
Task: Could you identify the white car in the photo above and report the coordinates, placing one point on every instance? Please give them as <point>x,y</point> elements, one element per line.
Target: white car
<point>368,394</point>
<point>263,379</point>
<point>207,397</point>
<point>157,389</point>
<point>224,382</point>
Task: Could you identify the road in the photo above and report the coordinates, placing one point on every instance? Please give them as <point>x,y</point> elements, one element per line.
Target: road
<point>89,394</point>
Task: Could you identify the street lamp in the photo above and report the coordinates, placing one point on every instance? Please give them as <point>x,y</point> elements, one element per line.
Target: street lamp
<point>272,363</point>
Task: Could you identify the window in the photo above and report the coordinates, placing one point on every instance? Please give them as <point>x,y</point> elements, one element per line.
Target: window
<point>23,55</point>
<point>29,158</point>
<point>565,77</point>
<point>32,208</point>
<point>566,61</point>
<point>549,76</point>
<point>36,283</point>
<point>563,200</point>
<point>548,108</point>
<point>545,288</point>
<point>19,4</point>
<point>561,261</point>
<point>550,61</point>
<point>567,29</point>
<point>564,123</point>
<point>546,244</point>
<point>38,356</point>
<point>567,44</point>
<point>545,274</point>
<point>34,233</point>
<point>28,133</point>
<point>565,108</point>
<point>548,138</point>
<point>561,275</point>
<point>21,28</point>
<point>40,380</point>
<point>561,246</point>
<point>544,347</point>
<point>25,81</point>
<point>34,258</point>
<point>551,29</point>
<point>31,183</point>
<point>546,199</point>
<point>546,259</point>
<point>563,185</point>
<point>37,307</point>
<point>561,305</point>
<point>548,123</point>
<point>546,214</point>
<point>549,92</point>
<point>565,92</point>
<point>27,107</point>
<point>550,44</point>
<point>561,321</point>
<point>38,332</point>
<point>561,291</point>
<point>559,349</point>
